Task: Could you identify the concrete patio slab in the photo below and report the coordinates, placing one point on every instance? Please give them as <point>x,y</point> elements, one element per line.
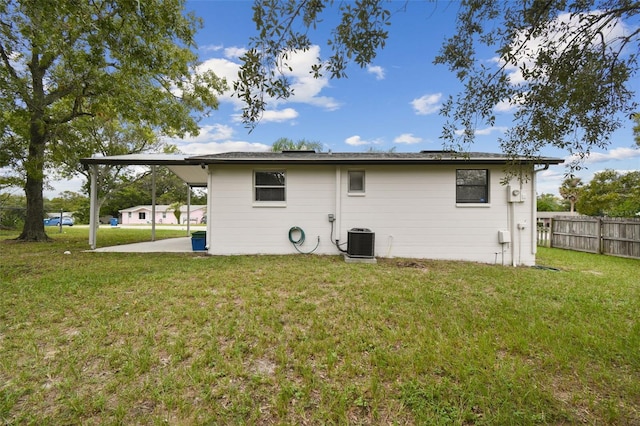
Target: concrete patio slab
<point>169,245</point>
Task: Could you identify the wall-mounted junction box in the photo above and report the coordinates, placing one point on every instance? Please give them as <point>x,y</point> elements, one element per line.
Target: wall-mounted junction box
<point>515,195</point>
<point>504,237</point>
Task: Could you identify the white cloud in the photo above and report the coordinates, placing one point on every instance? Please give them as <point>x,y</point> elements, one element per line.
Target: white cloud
<point>279,116</point>
<point>234,52</point>
<point>548,181</point>
<point>407,138</point>
<point>484,132</point>
<point>505,106</point>
<point>376,70</point>
<point>208,133</point>
<point>214,139</point>
<point>203,148</point>
<point>617,154</point>
<point>306,88</point>
<point>427,104</point>
<point>211,47</point>
<point>356,141</point>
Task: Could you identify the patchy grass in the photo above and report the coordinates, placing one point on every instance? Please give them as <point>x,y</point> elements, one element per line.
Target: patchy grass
<point>120,338</point>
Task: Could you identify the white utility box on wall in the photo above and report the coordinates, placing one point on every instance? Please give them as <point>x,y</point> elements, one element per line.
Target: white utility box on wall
<point>515,195</point>
<point>504,237</point>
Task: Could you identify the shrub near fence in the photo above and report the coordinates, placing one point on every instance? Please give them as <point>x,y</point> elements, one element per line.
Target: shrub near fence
<point>603,235</point>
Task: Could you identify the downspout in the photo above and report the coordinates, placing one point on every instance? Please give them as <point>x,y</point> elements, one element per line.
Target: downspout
<point>534,209</point>
<point>512,226</point>
<point>93,206</point>
<point>188,209</point>
<point>209,234</point>
<point>338,214</point>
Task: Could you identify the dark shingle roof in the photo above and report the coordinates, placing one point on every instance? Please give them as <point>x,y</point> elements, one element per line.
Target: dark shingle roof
<point>307,157</point>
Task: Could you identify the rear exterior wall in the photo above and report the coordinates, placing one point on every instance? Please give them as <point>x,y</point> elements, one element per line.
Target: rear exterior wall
<point>411,209</point>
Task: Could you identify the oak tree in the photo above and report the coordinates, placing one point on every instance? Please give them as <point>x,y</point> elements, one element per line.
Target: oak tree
<point>562,67</point>
<point>611,193</point>
<point>61,60</point>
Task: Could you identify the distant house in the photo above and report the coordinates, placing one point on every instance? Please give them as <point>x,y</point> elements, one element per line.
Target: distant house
<point>141,215</point>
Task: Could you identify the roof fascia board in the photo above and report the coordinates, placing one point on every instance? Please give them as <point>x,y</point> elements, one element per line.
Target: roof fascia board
<point>412,161</point>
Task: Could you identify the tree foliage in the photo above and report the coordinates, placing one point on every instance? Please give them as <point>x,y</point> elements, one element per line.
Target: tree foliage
<point>636,128</point>
<point>103,136</point>
<point>611,193</point>
<point>67,201</point>
<point>286,144</point>
<point>283,28</point>
<point>563,66</point>
<point>549,203</point>
<point>136,190</point>
<point>62,60</point>
<point>12,210</point>
<point>570,190</point>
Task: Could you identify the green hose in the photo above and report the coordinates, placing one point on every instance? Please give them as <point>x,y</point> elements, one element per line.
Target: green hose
<point>300,240</point>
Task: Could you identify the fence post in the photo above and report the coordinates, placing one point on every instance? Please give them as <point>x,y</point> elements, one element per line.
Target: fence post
<point>599,234</point>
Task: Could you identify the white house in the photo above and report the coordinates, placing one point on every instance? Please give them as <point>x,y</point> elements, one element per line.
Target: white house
<point>437,205</point>
<point>141,215</point>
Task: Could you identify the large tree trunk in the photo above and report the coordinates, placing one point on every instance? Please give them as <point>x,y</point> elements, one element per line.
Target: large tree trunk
<point>34,222</point>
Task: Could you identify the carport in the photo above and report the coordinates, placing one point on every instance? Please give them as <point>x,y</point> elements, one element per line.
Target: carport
<point>191,172</point>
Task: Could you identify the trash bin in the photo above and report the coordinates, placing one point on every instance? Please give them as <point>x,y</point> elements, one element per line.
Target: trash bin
<point>114,221</point>
<point>198,240</point>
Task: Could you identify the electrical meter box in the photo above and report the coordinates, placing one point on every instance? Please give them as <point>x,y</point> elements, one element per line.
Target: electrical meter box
<point>515,195</point>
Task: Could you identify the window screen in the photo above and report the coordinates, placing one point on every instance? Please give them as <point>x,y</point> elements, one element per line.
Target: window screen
<point>356,181</point>
<point>472,186</point>
<point>269,185</point>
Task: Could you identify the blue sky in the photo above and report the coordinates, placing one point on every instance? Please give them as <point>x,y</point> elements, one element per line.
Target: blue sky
<point>393,103</point>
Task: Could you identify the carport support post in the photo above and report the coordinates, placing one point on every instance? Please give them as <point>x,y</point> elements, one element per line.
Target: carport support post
<point>153,203</point>
<point>93,214</point>
<point>188,209</point>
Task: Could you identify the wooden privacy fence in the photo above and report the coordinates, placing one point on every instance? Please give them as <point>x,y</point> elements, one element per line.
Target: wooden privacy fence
<point>603,235</point>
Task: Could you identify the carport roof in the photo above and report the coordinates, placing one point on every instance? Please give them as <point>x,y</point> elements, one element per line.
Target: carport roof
<point>180,164</point>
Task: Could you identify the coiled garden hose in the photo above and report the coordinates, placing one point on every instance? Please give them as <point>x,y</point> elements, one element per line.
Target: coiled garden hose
<point>300,240</point>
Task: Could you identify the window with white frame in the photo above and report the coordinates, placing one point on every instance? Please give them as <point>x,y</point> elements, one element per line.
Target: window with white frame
<point>142,215</point>
<point>356,181</point>
<point>472,186</point>
<point>269,185</point>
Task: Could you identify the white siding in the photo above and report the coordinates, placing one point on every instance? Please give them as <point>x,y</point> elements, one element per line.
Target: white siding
<point>411,209</point>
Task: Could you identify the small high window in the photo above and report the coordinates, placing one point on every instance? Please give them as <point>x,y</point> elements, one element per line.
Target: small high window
<point>356,181</point>
<point>472,186</point>
<point>269,185</point>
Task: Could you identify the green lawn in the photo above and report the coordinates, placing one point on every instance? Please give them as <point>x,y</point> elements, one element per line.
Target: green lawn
<point>120,338</point>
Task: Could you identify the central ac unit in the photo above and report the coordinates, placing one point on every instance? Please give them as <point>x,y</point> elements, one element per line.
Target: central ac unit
<point>360,243</point>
